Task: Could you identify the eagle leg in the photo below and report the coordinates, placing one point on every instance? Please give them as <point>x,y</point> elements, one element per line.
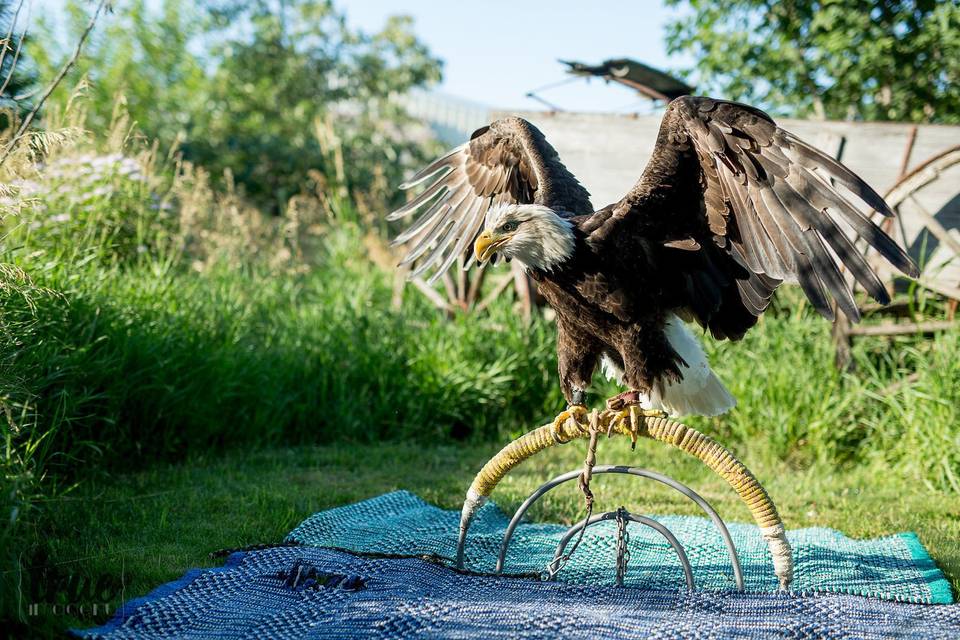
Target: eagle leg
<point>631,399</point>
<point>623,400</point>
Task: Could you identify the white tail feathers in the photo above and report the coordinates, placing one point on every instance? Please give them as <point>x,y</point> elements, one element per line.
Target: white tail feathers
<point>700,392</point>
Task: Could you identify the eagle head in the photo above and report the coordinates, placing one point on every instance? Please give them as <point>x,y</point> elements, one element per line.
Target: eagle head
<point>534,235</point>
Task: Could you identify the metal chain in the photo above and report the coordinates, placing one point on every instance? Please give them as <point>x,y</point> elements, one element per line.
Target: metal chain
<point>555,565</point>
<point>623,549</point>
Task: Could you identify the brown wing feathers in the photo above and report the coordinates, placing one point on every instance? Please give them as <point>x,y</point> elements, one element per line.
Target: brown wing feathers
<point>507,162</point>
<point>784,209</point>
<point>741,205</point>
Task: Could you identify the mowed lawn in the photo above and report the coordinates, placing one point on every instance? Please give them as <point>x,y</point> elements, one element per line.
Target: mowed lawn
<point>136,531</point>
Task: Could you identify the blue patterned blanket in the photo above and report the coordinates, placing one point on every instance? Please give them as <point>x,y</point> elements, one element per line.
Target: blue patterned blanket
<point>305,592</point>
<point>314,591</point>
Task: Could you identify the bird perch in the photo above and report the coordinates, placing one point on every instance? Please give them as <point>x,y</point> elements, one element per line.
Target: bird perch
<point>688,440</point>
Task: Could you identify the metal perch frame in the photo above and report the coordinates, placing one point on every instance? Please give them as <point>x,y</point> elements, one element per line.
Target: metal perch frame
<point>653,524</point>
<point>611,469</point>
<point>688,440</point>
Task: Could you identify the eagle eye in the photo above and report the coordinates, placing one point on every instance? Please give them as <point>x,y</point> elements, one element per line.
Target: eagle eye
<point>507,227</point>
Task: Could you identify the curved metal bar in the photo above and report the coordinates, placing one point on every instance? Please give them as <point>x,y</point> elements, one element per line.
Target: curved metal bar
<point>601,469</point>
<point>461,543</point>
<point>711,453</point>
<point>653,524</point>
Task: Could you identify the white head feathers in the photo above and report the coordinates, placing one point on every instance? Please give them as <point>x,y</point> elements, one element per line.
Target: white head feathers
<point>541,239</point>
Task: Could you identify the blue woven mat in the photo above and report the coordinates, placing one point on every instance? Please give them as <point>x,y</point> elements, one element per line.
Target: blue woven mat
<point>400,523</point>
<point>305,592</point>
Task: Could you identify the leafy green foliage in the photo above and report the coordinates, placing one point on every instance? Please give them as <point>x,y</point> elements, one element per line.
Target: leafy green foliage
<point>282,97</point>
<point>828,58</point>
<point>140,52</point>
<point>151,362</point>
<point>17,72</point>
<point>305,93</point>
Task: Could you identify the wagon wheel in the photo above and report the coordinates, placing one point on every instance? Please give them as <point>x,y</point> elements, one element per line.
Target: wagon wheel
<point>906,190</point>
<point>463,289</point>
<point>904,194</point>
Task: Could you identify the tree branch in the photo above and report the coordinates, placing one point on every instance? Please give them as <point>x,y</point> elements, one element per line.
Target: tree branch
<point>16,55</point>
<point>28,120</point>
<point>6,41</point>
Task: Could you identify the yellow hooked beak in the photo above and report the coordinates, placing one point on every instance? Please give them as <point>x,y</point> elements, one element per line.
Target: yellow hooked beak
<point>488,243</point>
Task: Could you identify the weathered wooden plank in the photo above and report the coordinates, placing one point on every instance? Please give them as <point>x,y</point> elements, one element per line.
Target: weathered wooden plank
<point>899,329</point>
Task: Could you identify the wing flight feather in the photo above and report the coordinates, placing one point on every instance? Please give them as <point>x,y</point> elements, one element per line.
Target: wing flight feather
<point>508,161</point>
<point>769,200</point>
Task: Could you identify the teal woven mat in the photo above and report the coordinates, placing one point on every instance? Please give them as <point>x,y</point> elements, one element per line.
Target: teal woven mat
<point>896,567</point>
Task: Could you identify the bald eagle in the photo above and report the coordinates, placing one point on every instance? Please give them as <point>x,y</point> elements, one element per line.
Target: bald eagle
<point>729,206</point>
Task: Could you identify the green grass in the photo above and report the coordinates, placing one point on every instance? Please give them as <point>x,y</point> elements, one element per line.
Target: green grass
<point>141,529</point>
<point>148,362</point>
<point>155,361</point>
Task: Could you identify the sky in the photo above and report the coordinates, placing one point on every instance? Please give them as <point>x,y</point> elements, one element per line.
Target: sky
<point>496,51</point>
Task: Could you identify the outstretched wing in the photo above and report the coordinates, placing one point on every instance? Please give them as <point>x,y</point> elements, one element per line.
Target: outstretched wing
<point>739,205</point>
<point>507,162</point>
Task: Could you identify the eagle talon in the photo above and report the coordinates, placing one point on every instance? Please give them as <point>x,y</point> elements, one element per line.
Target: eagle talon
<point>622,419</point>
<point>633,417</point>
<point>633,424</point>
<point>611,427</point>
<point>652,413</point>
<point>575,411</point>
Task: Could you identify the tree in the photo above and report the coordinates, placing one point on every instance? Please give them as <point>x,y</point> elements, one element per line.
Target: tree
<point>142,52</point>
<point>838,59</point>
<point>304,93</point>
<point>277,92</point>
<point>17,76</point>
